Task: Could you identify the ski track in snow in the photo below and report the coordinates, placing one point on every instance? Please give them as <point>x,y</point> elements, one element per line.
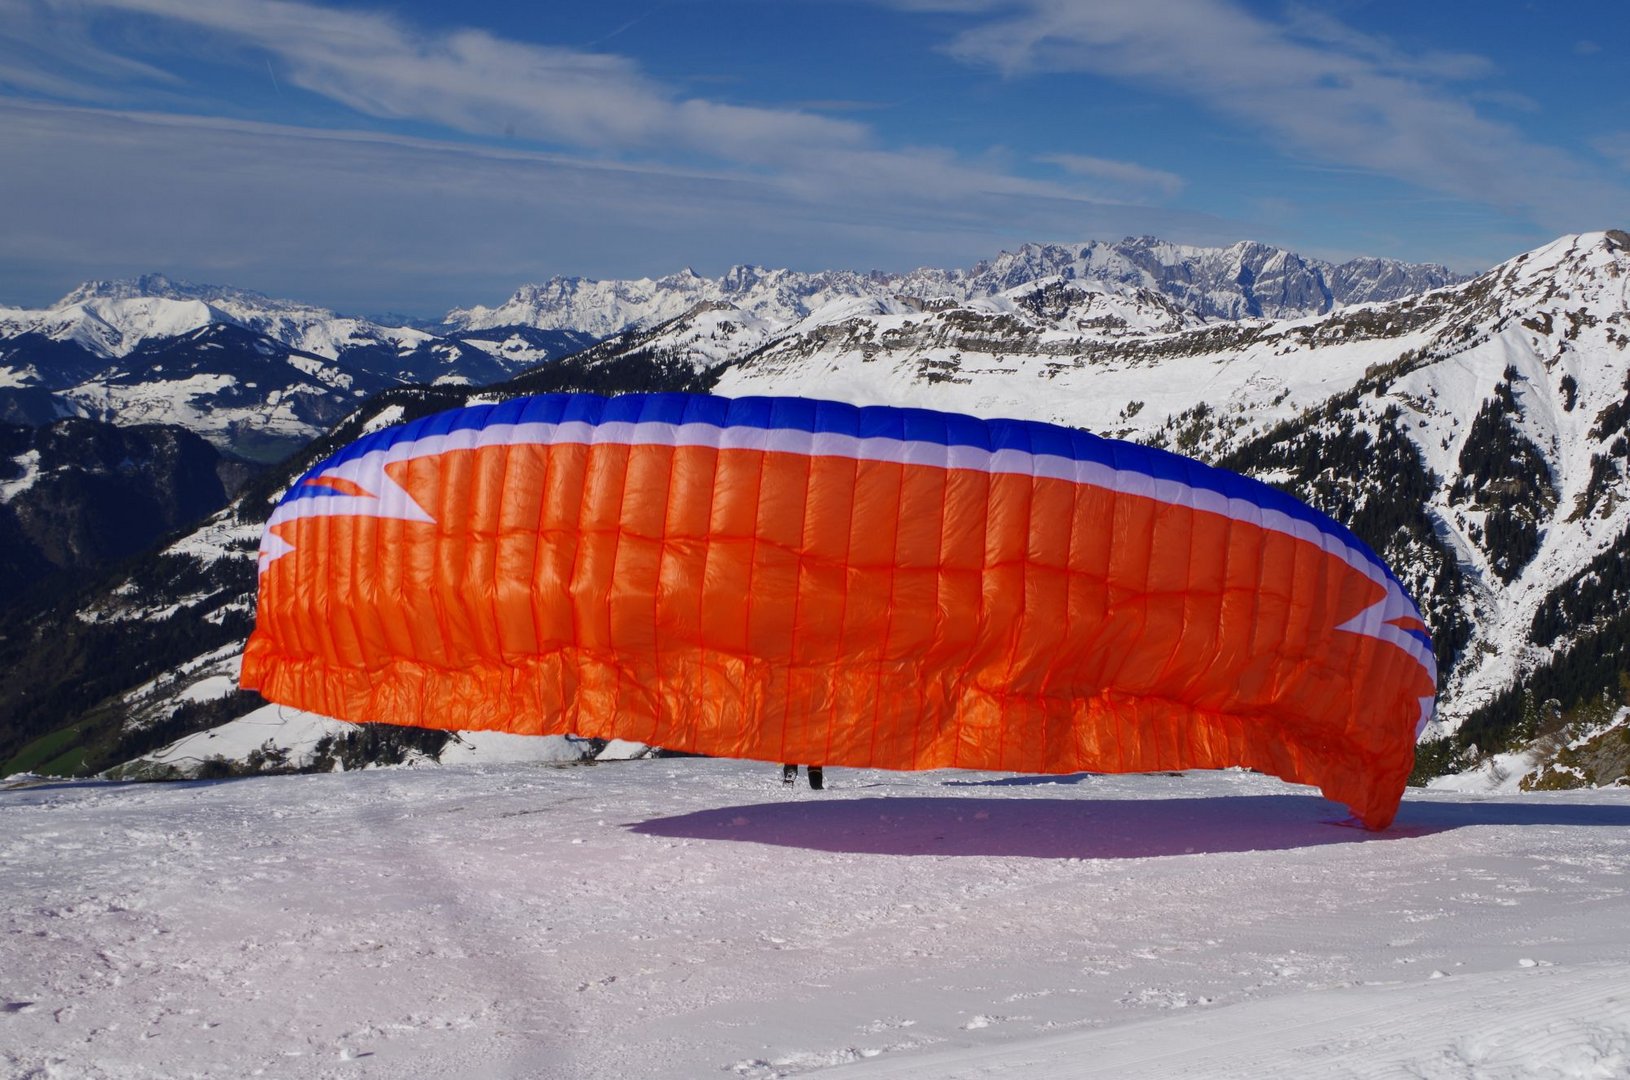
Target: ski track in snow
<point>695,918</point>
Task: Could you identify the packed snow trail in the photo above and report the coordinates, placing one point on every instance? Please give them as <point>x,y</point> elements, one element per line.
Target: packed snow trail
<point>692,918</point>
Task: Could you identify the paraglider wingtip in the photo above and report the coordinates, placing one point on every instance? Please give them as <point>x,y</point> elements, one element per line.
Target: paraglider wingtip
<point>1373,824</point>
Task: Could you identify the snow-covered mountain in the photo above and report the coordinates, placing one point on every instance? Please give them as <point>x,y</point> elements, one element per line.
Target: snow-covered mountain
<point>1247,280</point>
<point>1244,280</point>
<point>257,376</point>
<point>111,318</point>
<point>1474,435</point>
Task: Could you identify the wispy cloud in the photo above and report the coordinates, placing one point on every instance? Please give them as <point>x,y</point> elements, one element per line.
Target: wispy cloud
<point>1321,30</point>
<point>1312,85</point>
<point>43,52</point>
<point>1614,147</point>
<point>475,82</point>
<point>1126,174</point>
<point>578,101</point>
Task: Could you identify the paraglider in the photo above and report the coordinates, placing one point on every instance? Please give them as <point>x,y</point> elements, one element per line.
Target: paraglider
<point>785,579</point>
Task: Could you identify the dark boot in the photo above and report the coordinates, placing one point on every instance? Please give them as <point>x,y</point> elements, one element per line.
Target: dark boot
<point>815,777</point>
<point>789,774</point>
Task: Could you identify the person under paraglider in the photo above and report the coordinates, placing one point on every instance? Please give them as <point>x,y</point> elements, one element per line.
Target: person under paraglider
<point>789,775</point>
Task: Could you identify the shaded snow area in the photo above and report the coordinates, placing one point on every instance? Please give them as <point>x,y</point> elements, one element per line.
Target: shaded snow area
<point>695,918</point>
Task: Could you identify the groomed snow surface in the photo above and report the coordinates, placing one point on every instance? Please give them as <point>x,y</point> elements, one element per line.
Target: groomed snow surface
<point>695,918</point>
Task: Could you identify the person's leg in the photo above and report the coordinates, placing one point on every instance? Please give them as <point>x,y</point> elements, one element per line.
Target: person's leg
<point>789,773</point>
<point>816,779</point>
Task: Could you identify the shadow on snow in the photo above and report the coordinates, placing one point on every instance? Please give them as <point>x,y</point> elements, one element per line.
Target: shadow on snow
<point>1041,828</point>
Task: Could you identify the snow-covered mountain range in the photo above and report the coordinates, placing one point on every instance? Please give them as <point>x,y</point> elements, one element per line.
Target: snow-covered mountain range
<point>1473,433</point>
<point>261,376</point>
<point>1247,280</point>
<point>257,376</point>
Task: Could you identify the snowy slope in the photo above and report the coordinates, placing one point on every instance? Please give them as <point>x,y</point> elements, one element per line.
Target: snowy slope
<point>239,389</point>
<point>692,918</point>
<point>1551,340</point>
<point>1052,318</point>
<point>1065,369</point>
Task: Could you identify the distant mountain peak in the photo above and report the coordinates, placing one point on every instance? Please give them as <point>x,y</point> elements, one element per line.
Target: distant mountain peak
<point>1247,279</point>
<point>154,286</point>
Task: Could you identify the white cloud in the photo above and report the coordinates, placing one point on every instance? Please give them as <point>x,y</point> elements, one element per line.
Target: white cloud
<point>44,53</point>
<point>1319,29</point>
<point>1312,85</point>
<point>475,82</point>
<point>580,102</point>
<point>1614,147</point>
<point>1124,173</point>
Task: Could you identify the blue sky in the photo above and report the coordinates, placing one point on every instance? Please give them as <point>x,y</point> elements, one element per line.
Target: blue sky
<point>412,157</point>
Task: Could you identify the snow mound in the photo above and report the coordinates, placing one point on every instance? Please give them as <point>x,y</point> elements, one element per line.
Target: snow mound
<point>494,747</point>
<point>292,730</point>
<point>295,737</point>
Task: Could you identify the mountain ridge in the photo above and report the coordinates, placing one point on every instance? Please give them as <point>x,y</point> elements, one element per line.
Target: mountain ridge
<point>257,376</point>
<point>1245,280</point>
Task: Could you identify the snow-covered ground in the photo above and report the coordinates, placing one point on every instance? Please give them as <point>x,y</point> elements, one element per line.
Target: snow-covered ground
<point>695,918</point>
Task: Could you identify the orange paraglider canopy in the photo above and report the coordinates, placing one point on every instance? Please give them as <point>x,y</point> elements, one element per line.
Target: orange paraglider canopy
<point>794,580</point>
